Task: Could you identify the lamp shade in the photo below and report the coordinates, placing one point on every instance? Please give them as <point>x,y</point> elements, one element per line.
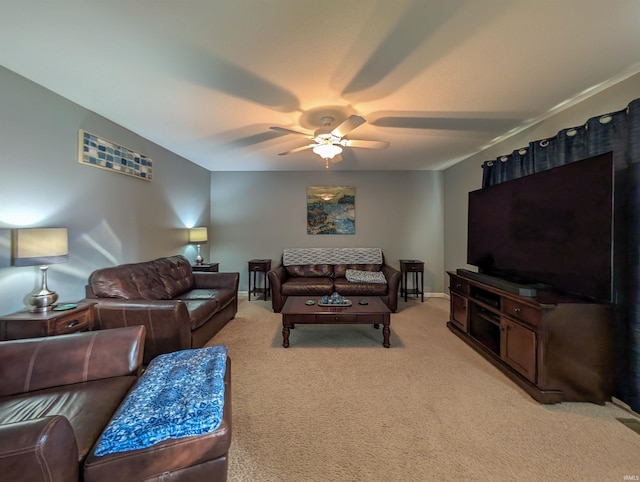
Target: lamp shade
<point>197,235</point>
<point>39,246</point>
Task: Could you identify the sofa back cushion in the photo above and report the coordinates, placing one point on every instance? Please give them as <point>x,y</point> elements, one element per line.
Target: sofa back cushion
<point>38,363</point>
<point>176,274</point>
<point>310,271</point>
<point>160,279</point>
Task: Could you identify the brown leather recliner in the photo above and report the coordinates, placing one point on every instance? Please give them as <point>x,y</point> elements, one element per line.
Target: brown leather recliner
<point>57,395</point>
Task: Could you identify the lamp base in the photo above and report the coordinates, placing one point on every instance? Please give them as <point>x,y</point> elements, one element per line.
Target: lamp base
<point>199,258</point>
<point>43,301</point>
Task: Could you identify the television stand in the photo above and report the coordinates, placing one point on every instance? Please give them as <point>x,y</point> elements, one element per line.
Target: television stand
<point>555,347</point>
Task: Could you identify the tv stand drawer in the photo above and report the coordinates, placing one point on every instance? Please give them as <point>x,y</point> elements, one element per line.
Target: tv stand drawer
<point>521,311</point>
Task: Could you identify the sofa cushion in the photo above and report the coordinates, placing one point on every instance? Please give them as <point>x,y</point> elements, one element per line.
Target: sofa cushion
<point>340,270</point>
<point>359,276</point>
<point>88,406</point>
<point>223,296</point>
<point>200,311</point>
<point>347,288</point>
<point>307,286</point>
<point>310,270</point>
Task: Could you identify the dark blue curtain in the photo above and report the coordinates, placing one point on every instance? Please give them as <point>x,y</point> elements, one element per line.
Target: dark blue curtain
<point>618,132</point>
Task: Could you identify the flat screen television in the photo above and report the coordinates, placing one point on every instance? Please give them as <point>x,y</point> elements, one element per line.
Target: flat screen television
<point>553,228</point>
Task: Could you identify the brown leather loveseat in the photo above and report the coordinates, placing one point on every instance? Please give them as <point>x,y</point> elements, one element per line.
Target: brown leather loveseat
<point>316,272</point>
<point>179,307</point>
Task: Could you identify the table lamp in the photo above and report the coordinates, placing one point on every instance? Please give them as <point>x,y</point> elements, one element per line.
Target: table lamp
<point>198,236</point>
<point>40,247</point>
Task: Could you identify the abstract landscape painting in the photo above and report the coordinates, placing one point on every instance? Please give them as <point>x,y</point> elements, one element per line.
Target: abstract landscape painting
<point>331,210</point>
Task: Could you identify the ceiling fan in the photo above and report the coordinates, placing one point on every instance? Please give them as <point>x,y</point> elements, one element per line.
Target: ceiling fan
<point>328,143</point>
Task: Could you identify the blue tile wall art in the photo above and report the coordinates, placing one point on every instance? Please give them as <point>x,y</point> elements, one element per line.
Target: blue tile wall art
<point>98,152</point>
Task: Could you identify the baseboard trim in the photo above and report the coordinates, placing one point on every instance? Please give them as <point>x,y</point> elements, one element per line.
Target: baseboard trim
<point>619,403</point>
<point>426,295</point>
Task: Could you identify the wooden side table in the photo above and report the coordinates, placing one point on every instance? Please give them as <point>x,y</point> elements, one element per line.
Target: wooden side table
<point>259,266</point>
<point>206,267</point>
<point>29,324</point>
<point>416,267</point>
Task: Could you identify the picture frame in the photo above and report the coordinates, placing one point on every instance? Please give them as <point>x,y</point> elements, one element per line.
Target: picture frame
<point>96,151</point>
<point>331,210</point>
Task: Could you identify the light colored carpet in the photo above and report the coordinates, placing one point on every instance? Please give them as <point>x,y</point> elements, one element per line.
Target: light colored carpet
<point>337,406</point>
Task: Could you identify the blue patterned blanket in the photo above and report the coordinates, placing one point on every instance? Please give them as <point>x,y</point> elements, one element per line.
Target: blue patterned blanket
<point>181,394</point>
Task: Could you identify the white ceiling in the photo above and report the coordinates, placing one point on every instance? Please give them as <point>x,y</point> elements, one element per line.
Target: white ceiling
<point>439,79</point>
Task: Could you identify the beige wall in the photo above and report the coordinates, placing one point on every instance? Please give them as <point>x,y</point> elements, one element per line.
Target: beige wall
<point>467,176</point>
<point>111,218</point>
<point>257,214</point>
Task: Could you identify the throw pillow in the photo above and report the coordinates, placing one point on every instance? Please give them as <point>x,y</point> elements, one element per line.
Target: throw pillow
<point>358,276</point>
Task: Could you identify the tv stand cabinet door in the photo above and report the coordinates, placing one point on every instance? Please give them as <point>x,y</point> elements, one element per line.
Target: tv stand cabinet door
<point>518,348</point>
<point>459,311</point>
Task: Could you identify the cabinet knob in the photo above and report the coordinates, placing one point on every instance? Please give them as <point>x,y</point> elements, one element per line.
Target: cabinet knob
<point>517,310</point>
<point>72,323</point>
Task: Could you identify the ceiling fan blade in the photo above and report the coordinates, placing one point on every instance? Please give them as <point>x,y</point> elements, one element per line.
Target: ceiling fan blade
<point>290,131</point>
<point>297,149</point>
<point>367,144</point>
<point>348,125</point>
<point>337,158</point>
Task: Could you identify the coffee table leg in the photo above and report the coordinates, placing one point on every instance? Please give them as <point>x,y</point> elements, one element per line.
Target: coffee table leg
<point>386,331</point>
<point>285,334</point>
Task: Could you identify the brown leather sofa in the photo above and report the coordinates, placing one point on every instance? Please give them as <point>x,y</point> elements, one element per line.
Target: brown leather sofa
<point>57,395</point>
<point>179,307</point>
<point>324,272</point>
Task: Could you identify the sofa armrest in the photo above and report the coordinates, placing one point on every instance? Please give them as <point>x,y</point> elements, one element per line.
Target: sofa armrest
<point>42,449</point>
<point>204,280</point>
<point>393,281</point>
<point>167,322</point>
<point>276,277</point>
<point>38,363</point>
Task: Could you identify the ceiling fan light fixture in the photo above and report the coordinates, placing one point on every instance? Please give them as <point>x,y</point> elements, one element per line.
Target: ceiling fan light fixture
<point>327,151</point>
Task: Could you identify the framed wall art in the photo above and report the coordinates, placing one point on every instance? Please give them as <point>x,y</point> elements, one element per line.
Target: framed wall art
<point>331,210</point>
<point>98,152</point>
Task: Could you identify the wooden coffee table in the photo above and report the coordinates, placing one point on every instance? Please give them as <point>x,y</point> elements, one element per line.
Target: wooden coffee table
<point>375,312</point>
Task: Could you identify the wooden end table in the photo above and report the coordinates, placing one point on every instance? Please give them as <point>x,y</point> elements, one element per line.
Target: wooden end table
<point>416,267</point>
<point>29,324</point>
<point>206,267</point>
<point>259,266</point>
<point>375,313</point>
